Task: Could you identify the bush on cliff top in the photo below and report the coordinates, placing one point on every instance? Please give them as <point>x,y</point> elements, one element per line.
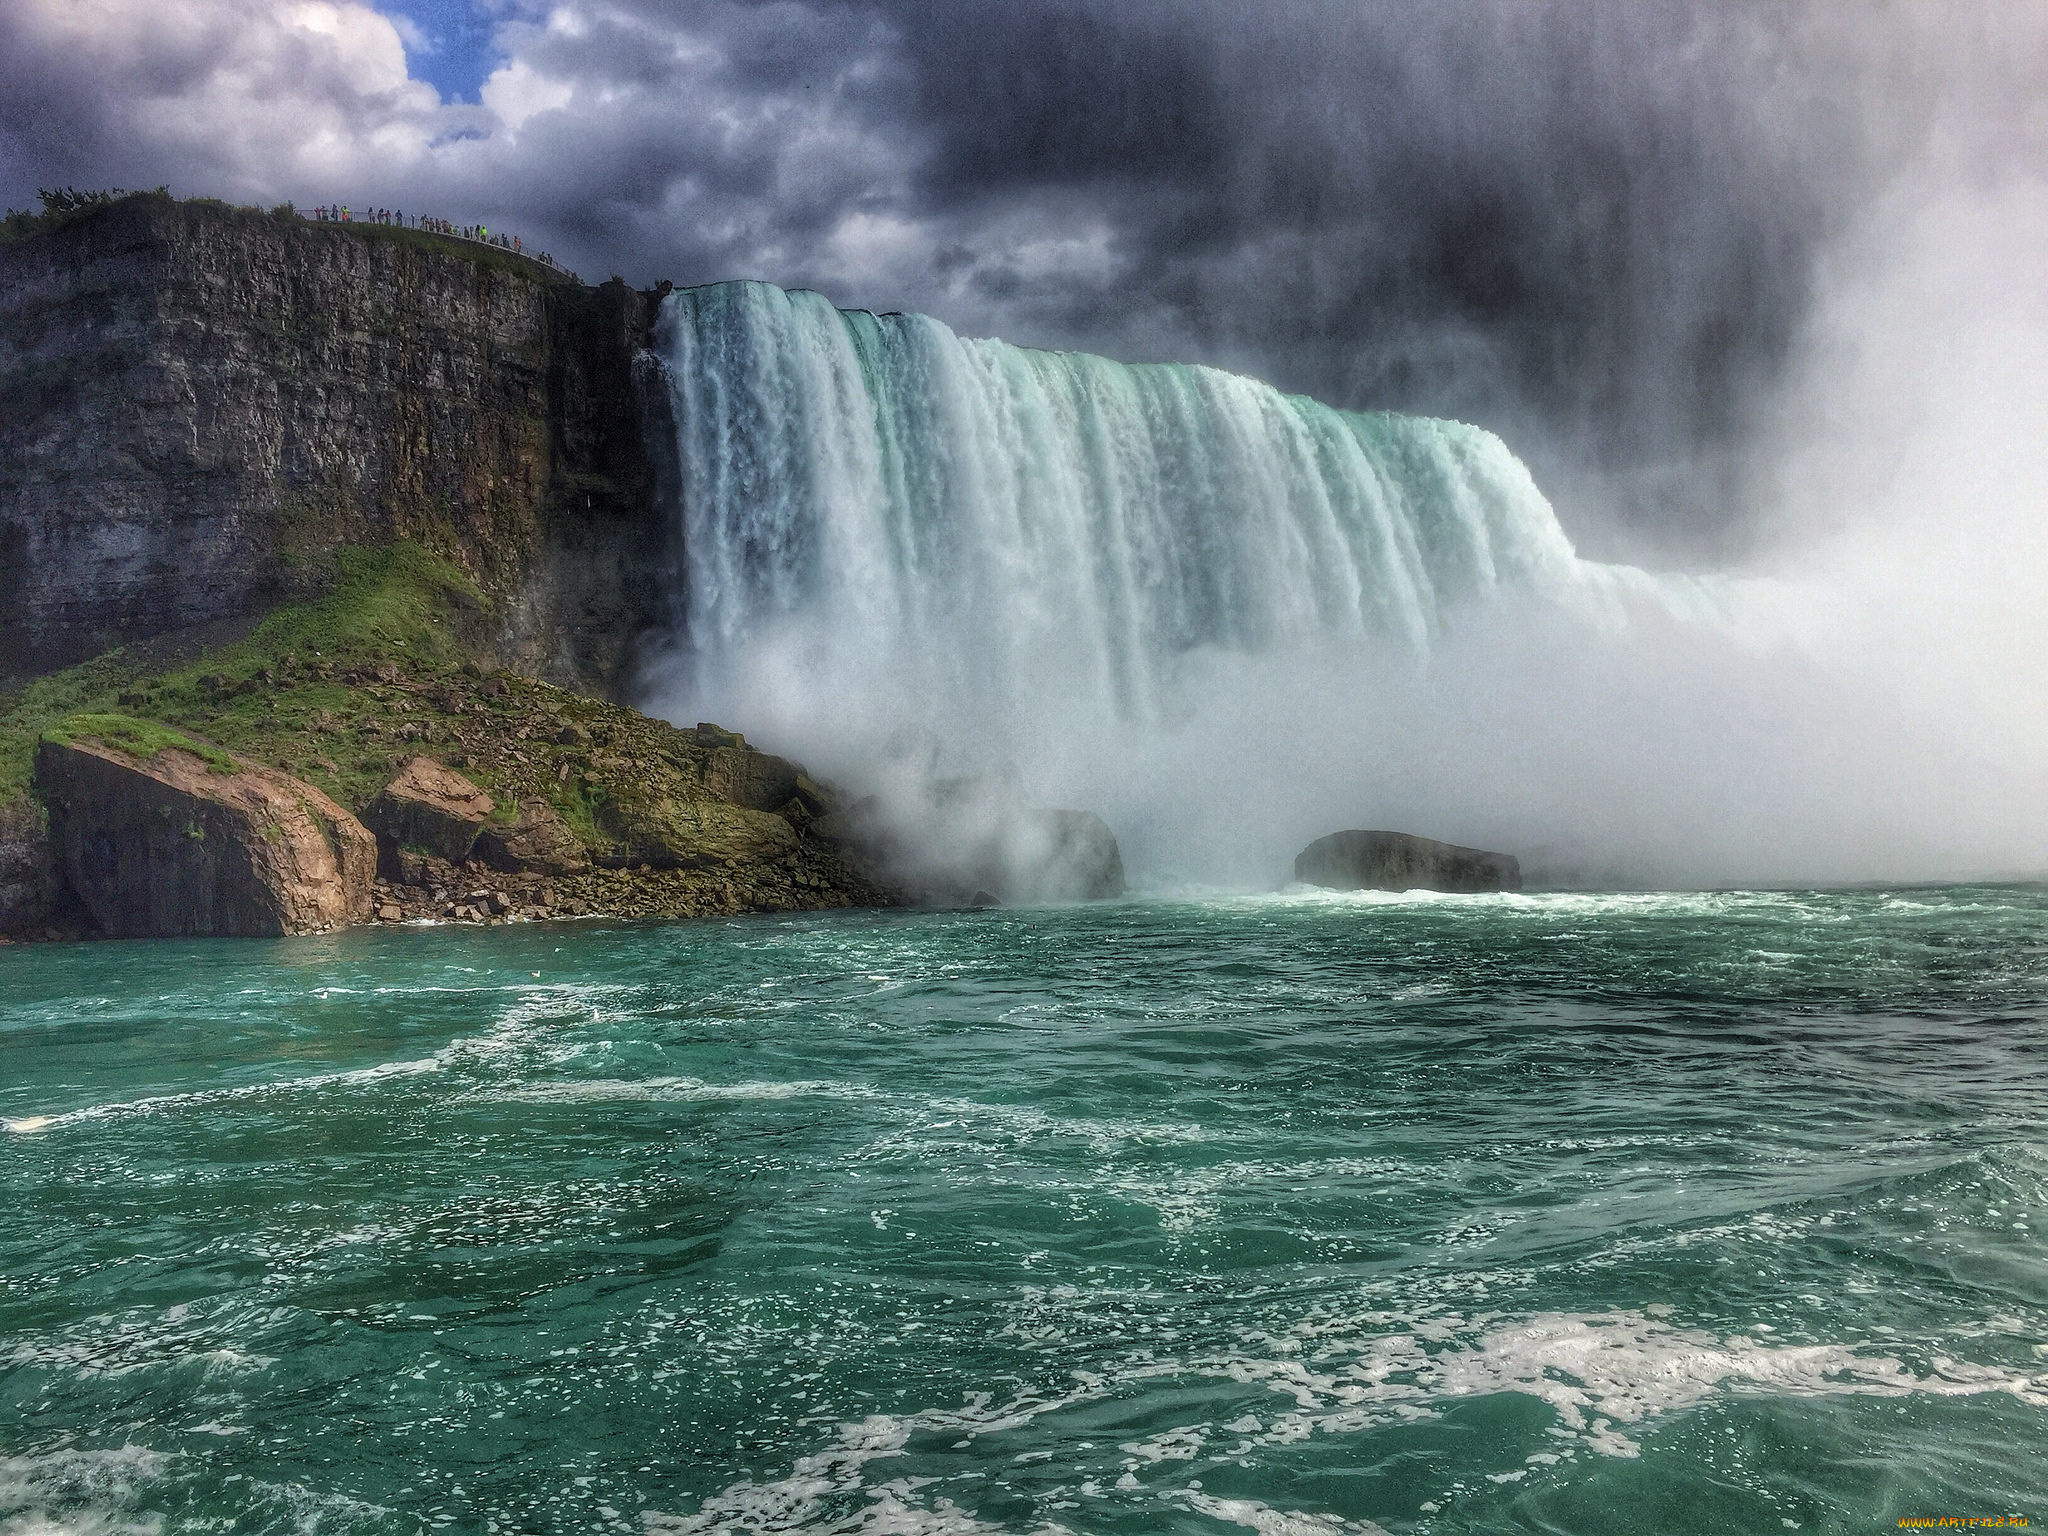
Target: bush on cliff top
<point>61,206</point>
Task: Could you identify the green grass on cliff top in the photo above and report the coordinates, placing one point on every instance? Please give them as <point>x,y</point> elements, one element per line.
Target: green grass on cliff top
<point>138,738</point>
<point>397,602</point>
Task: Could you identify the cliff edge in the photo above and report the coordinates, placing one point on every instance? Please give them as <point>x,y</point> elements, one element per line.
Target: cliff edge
<point>201,405</point>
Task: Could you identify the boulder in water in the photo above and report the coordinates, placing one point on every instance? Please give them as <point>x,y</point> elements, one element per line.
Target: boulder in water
<point>163,835</point>
<point>1400,861</point>
<point>431,809</point>
<point>1055,855</point>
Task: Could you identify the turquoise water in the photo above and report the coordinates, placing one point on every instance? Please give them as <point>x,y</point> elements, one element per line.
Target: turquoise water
<point>1291,1214</point>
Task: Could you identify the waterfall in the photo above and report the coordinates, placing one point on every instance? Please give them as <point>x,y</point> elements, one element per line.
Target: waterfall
<point>992,519</point>
<point>1228,618</point>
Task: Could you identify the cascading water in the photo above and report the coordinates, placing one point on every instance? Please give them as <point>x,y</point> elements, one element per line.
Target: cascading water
<point>889,526</point>
<point>967,507</point>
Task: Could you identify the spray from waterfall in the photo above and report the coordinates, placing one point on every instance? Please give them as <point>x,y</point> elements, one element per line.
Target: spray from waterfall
<point>1231,620</point>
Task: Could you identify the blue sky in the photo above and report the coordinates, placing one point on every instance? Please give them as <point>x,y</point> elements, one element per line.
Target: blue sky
<point>448,43</point>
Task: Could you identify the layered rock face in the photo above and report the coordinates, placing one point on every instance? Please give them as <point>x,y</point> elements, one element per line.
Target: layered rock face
<point>170,844</point>
<point>29,886</point>
<point>538,842</point>
<point>198,404</point>
<point>1400,861</point>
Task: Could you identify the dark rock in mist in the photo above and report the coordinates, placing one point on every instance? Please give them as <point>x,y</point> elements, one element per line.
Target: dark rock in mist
<point>1400,861</point>
<point>196,842</point>
<point>1059,855</point>
<point>970,842</point>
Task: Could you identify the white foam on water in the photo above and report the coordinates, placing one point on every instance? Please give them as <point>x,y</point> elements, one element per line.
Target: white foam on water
<point>809,1499</point>
<point>517,1030</point>
<point>930,1117</point>
<point>1029,1123</point>
<point>1188,1198</point>
<point>1598,1372</point>
<point>1267,1521</point>
<point>79,1492</point>
<point>653,1089</point>
<point>202,1098</point>
<point>108,1345</point>
<point>312,1512</point>
<point>1776,904</point>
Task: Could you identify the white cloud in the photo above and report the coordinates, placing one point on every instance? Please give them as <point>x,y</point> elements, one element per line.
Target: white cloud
<point>517,91</point>
<point>239,98</point>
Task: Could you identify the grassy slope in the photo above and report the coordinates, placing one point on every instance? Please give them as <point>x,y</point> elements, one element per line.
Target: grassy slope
<point>260,694</point>
<point>340,690</point>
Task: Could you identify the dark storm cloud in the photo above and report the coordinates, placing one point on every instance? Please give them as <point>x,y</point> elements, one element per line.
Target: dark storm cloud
<point>1590,224</point>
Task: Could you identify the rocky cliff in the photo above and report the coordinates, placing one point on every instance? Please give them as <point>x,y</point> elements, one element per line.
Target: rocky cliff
<point>160,834</point>
<point>382,519</point>
<point>200,405</point>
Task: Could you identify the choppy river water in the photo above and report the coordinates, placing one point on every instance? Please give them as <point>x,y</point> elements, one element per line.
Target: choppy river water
<point>1300,1214</point>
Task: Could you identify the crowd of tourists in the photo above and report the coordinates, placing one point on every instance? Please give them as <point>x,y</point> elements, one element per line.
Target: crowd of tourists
<point>340,213</point>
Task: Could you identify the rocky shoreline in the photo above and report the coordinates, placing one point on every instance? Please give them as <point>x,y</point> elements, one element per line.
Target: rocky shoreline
<point>484,795</point>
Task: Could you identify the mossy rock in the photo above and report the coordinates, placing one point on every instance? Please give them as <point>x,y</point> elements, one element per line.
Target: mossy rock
<point>673,831</point>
